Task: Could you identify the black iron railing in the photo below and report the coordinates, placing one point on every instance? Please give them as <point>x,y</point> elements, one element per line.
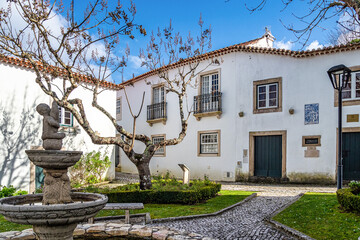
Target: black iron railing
<point>156,111</point>
<point>207,103</point>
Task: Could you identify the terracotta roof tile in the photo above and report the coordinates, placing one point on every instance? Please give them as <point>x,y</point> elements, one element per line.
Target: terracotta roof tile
<point>243,47</point>
<point>26,64</point>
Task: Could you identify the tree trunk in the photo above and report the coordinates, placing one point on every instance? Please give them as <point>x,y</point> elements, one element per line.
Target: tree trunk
<point>144,175</point>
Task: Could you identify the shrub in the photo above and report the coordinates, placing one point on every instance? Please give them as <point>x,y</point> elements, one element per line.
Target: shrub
<point>348,200</point>
<point>10,191</point>
<point>164,191</point>
<point>355,187</point>
<point>89,169</point>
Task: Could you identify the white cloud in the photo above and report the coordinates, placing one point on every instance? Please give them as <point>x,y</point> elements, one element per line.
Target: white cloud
<point>314,45</point>
<point>283,45</point>
<point>135,61</point>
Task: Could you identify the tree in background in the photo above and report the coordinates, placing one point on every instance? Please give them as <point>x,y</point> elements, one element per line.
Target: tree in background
<point>347,13</point>
<point>86,46</point>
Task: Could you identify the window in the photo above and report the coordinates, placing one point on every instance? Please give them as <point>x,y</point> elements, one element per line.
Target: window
<point>157,139</point>
<point>209,143</point>
<point>352,90</point>
<point>158,95</point>
<point>208,102</point>
<point>156,112</point>
<point>209,84</point>
<point>267,95</point>
<point>118,109</point>
<point>65,117</point>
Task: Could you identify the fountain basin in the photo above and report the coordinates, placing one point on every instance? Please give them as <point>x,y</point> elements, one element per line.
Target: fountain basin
<point>53,159</point>
<point>24,209</point>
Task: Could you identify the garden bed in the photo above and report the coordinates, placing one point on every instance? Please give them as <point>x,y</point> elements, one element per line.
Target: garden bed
<point>164,191</point>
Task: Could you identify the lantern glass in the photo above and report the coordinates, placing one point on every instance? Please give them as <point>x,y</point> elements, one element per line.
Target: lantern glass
<point>339,76</point>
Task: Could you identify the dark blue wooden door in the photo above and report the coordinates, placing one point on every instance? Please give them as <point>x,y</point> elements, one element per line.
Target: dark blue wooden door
<point>268,156</point>
<point>351,156</point>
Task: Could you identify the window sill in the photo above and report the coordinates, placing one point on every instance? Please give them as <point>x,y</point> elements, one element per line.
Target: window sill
<point>198,116</point>
<point>267,110</point>
<point>351,102</point>
<point>162,155</point>
<point>208,154</point>
<point>151,122</point>
<point>69,129</point>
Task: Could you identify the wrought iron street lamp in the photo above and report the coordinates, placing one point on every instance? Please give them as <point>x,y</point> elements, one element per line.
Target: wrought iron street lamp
<point>339,76</point>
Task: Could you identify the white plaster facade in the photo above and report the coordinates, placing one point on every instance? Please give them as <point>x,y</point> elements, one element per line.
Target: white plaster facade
<point>304,81</point>
<point>19,95</point>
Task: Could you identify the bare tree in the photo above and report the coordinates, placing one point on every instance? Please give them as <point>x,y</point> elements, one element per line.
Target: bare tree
<point>72,53</point>
<point>176,61</point>
<point>347,11</point>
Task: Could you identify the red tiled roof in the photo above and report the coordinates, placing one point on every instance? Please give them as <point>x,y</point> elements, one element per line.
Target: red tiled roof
<point>26,64</point>
<point>243,47</point>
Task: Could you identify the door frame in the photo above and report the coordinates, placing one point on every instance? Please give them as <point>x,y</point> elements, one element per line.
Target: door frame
<point>252,136</point>
<point>344,130</point>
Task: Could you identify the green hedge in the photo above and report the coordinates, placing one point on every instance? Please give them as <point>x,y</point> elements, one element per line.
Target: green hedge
<point>348,200</point>
<point>162,196</point>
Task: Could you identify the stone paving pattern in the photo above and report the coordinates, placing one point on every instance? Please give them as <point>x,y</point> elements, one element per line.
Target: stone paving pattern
<point>247,220</point>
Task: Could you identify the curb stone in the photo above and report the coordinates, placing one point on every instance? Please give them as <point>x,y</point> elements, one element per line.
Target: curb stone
<point>160,220</point>
<point>283,227</point>
<point>108,230</point>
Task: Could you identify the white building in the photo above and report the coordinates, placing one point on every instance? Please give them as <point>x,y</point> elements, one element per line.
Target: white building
<point>264,112</point>
<point>21,125</point>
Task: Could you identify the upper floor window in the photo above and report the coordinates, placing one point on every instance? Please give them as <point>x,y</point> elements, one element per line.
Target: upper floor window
<point>118,109</point>
<point>157,139</point>
<point>158,95</point>
<point>208,102</point>
<point>267,95</point>
<point>352,90</point>
<point>209,143</point>
<point>65,117</point>
<point>209,84</point>
<point>156,112</point>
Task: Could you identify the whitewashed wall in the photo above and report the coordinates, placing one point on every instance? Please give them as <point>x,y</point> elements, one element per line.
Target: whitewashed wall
<point>19,93</point>
<point>304,81</point>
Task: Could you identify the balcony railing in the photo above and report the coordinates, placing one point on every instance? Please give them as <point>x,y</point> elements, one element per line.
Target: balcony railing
<point>156,111</point>
<point>207,103</point>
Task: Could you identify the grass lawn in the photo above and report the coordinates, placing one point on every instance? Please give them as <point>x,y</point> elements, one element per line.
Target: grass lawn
<point>225,199</point>
<point>6,226</point>
<point>319,216</point>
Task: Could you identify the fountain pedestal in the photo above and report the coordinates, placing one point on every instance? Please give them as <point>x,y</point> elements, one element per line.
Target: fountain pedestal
<point>61,210</point>
<point>56,232</point>
<point>55,213</point>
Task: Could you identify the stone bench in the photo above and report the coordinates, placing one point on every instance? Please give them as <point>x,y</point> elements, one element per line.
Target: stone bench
<point>121,206</point>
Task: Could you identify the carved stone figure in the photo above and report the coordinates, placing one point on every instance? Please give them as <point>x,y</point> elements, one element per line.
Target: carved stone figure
<point>57,187</point>
<point>52,140</point>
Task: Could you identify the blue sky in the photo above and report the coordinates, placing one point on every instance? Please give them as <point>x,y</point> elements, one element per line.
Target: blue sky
<point>230,21</point>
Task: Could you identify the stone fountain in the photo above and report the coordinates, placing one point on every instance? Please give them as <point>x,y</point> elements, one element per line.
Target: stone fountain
<point>55,213</point>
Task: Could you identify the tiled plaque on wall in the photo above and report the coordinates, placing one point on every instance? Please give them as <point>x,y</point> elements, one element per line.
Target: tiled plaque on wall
<point>311,113</point>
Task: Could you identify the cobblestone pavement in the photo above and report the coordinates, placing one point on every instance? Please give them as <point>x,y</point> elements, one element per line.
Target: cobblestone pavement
<point>247,221</point>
